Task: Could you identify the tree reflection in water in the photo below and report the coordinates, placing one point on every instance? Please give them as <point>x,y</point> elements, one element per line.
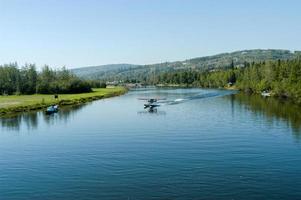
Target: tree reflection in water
<point>31,119</point>
<point>271,108</point>
<point>64,114</point>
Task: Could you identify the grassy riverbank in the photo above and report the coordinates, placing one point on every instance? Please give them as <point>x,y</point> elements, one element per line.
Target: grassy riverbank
<point>20,103</point>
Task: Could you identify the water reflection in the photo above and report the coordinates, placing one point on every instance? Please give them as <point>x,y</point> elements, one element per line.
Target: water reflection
<point>64,114</point>
<point>153,111</point>
<point>272,108</point>
<point>30,120</point>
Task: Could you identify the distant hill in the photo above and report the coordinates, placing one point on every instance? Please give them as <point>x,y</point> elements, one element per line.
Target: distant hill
<point>95,72</point>
<point>219,61</point>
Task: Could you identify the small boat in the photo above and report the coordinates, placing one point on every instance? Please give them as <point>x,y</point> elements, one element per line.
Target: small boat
<point>265,94</point>
<point>52,109</point>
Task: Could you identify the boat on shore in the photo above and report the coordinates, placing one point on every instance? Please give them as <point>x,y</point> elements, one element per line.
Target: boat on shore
<point>265,94</point>
<point>52,109</point>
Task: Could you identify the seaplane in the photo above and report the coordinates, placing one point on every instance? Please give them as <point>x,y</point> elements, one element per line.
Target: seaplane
<point>151,102</point>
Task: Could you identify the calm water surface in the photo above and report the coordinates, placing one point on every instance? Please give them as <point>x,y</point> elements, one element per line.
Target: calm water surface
<point>200,144</point>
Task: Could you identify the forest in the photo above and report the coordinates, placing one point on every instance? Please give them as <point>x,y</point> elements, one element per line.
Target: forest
<point>282,78</point>
<point>27,80</point>
<point>122,72</point>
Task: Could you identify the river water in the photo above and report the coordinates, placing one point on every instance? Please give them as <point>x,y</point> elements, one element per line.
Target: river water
<point>199,144</point>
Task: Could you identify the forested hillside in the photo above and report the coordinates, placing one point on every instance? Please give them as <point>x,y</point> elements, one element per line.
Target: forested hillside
<point>282,78</point>
<point>146,73</point>
<point>278,71</point>
<point>94,72</point>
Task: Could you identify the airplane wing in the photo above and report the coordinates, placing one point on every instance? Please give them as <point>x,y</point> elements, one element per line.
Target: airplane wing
<point>157,99</point>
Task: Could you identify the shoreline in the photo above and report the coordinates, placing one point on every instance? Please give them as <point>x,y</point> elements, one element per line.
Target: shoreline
<point>10,105</point>
<point>191,86</point>
<point>273,95</point>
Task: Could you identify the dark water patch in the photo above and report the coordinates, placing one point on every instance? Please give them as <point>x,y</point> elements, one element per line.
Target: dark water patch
<point>31,119</point>
<point>273,109</point>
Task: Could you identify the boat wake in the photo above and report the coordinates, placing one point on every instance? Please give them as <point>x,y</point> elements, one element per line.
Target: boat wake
<point>197,96</point>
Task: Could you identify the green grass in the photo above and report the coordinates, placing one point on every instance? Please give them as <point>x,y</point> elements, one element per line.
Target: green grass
<point>19,103</point>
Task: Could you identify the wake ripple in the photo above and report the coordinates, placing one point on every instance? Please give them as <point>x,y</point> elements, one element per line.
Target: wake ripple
<point>198,96</point>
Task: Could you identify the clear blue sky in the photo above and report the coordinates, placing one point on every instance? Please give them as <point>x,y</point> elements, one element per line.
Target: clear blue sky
<point>92,32</point>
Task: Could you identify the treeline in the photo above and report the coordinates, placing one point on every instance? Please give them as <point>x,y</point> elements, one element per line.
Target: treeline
<point>282,78</point>
<point>27,80</point>
<point>207,78</point>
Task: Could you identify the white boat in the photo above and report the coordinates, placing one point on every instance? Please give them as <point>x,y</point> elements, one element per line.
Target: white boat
<point>265,94</point>
<point>52,109</point>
